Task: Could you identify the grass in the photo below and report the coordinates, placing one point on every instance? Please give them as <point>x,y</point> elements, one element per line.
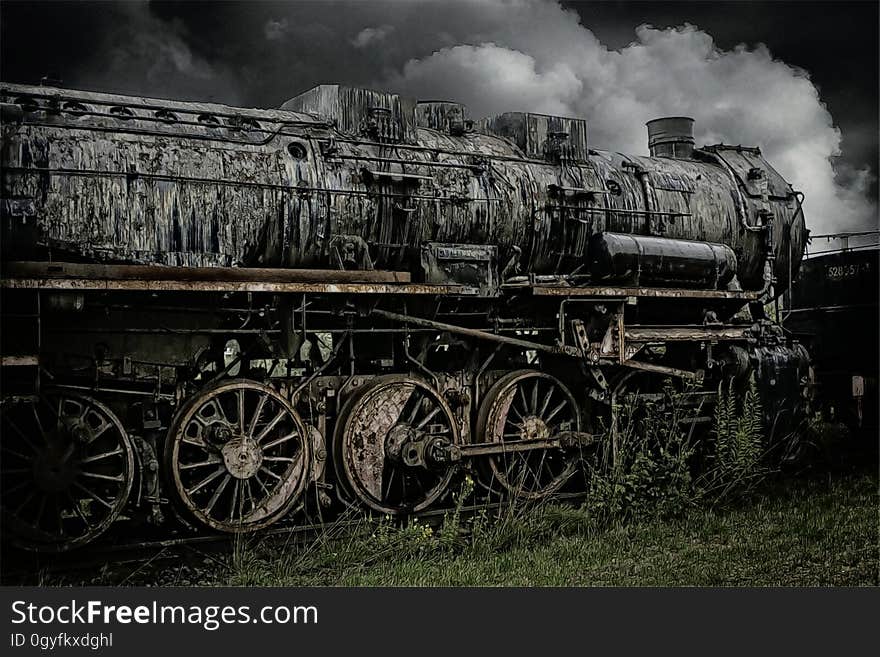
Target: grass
<point>819,531</point>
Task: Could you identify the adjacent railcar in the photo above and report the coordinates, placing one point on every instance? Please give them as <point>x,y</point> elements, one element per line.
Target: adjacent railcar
<point>219,316</point>
<point>834,312</point>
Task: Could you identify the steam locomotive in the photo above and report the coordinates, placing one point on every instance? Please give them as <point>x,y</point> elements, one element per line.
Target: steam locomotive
<point>220,316</point>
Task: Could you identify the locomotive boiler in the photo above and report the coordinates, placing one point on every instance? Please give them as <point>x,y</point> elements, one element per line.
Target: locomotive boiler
<point>227,315</point>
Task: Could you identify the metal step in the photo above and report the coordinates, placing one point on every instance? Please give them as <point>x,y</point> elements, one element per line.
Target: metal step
<point>19,361</point>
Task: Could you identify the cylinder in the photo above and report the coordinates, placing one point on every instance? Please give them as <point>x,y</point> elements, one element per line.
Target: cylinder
<point>671,136</point>
<point>642,260</point>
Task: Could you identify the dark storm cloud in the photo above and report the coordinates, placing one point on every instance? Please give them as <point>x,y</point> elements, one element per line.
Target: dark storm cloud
<point>494,56</point>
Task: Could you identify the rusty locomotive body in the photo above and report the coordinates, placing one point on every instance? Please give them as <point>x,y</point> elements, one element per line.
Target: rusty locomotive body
<point>235,314</point>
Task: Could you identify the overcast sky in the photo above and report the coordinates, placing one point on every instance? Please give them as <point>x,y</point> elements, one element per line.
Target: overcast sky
<point>797,79</point>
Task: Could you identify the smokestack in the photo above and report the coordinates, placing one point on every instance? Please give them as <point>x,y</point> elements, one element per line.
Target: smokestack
<point>671,136</point>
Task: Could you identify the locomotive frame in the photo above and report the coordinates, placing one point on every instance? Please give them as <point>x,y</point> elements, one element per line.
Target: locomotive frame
<point>354,356</point>
<point>597,337</point>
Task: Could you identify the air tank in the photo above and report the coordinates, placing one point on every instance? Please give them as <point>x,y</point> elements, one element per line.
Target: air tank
<point>637,260</point>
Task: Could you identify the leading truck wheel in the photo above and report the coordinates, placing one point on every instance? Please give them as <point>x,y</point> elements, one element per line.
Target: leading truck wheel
<point>67,470</point>
<point>395,445</point>
<point>238,456</point>
<point>528,405</point>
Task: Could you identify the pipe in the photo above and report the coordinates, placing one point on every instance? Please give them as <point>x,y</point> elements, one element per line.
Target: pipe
<point>741,206</point>
<point>475,333</point>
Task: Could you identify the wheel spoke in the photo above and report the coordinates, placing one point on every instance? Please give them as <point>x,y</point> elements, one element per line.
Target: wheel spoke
<point>94,475</point>
<point>257,413</point>
<point>10,471</point>
<point>416,406</point>
<point>94,496</point>
<point>250,495</point>
<point>15,488</point>
<point>541,468</point>
<point>40,511</point>
<point>278,441</point>
<point>555,411</point>
<point>263,468</point>
<point>262,485</point>
<point>217,493</point>
<point>232,505</point>
<point>211,461</point>
<point>522,395</point>
<point>513,408</point>
<point>31,495</point>
<point>78,510</point>
<point>207,480</point>
<point>240,395</point>
<point>388,483</point>
<point>59,521</point>
<point>105,455</point>
<point>546,402</point>
<point>430,416</point>
<point>271,425</point>
<point>37,418</point>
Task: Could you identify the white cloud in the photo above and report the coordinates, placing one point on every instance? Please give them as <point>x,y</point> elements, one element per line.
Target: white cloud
<point>540,59</point>
<point>371,35</point>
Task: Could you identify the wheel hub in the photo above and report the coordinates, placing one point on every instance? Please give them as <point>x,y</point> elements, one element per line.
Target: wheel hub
<point>399,435</point>
<point>54,469</point>
<point>242,457</point>
<point>534,428</point>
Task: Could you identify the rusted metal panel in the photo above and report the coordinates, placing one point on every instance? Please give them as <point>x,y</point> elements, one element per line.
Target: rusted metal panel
<point>624,292</point>
<point>159,272</point>
<point>470,265</point>
<point>686,333</point>
<point>51,100</point>
<point>224,286</point>
<point>445,116</point>
<point>761,190</point>
<point>541,135</point>
<point>355,111</point>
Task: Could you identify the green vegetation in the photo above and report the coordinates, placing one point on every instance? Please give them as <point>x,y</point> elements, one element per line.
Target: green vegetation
<point>818,531</point>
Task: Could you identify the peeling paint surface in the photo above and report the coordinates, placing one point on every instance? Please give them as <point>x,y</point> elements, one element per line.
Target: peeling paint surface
<point>191,184</point>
